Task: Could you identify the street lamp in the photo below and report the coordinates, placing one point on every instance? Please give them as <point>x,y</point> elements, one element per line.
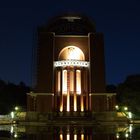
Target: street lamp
<point>125,108</point>
<point>117,107</point>
<point>16,108</point>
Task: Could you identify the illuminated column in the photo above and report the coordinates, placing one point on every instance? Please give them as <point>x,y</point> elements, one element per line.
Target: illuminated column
<point>68,92</point>
<point>75,136</point>
<point>78,88</point>
<point>83,84</point>
<point>64,82</point>
<point>64,88</point>
<point>75,96</point>
<point>78,81</point>
<point>61,136</point>
<point>82,103</point>
<point>82,136</point>
<point>68,136</point>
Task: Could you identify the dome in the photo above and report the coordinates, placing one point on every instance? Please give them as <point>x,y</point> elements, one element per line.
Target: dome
<point>70,25</point>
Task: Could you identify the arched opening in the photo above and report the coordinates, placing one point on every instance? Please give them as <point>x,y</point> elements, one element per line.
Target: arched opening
<point>69,79</point>
<point>71,53</point>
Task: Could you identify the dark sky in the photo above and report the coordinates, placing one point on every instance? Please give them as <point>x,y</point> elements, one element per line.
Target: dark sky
<point>119,20</point>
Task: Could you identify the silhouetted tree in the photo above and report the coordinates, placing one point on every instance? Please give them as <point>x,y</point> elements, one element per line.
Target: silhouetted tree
<point>128,93</point>
<point>111,89</point>
<point>12,95</point>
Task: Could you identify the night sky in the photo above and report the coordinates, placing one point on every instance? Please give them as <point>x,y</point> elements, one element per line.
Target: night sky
<point>119,20</point>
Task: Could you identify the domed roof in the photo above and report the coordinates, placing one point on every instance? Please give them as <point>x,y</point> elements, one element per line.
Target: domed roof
<point>70,25</point>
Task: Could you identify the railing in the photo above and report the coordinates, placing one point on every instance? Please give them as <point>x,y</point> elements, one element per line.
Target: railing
<point>65,63</point>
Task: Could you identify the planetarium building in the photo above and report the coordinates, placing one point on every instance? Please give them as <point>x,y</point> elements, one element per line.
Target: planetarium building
<point>70,69</point>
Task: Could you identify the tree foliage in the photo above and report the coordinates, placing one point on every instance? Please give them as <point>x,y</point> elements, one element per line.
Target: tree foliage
<point>128,93</point>
<point>12,95</point>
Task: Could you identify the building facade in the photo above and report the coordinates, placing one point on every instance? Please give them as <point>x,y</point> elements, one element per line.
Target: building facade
<point>70,68</point>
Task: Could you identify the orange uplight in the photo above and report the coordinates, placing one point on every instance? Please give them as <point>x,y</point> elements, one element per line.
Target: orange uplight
<point>68,102</point>
<point>82,136</point>
<point>75,137</point>
<point>75,103</point>
<point>61,107</point>
<point>64,86</point>
<point>68,136</point>
<point>61,137</point>
<point>82,104</point>
<point>78,82</point>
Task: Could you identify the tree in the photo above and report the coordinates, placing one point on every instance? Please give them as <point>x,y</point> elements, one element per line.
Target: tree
<point>128,93</point>
<point>12,95</point>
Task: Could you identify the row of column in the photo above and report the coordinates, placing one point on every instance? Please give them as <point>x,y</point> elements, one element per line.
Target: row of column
<point>71,84</point>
